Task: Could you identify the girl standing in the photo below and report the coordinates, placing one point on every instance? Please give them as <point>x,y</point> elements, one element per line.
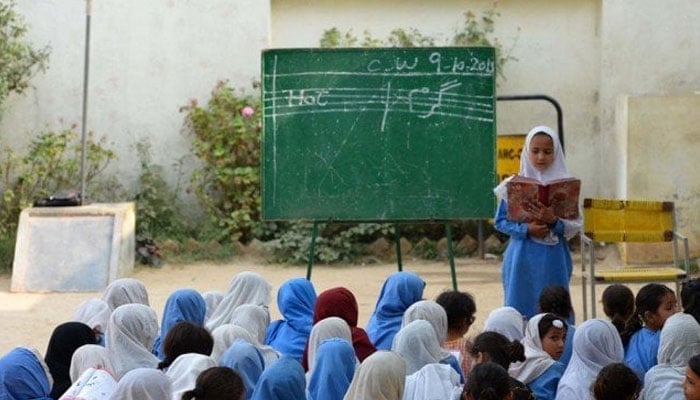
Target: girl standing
<point>538,253</point>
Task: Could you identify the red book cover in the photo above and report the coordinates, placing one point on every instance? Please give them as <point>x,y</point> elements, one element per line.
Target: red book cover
<point>561,194</point>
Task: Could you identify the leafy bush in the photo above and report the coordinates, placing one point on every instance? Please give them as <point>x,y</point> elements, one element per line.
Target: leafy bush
<point>18,60</point>
<point>157,205</point>
<point>226,138</point>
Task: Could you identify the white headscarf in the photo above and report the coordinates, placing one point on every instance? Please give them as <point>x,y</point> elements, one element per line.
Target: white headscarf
<point>381,376</point>
<point>212,299</point>
<point>255,319</point>
<point>678,342</point>
<point>507,321</point>
<point>89,356</point>
<point>131,333</point>
<point>125,291</point>
<point>224,337</point>
<point>143,384</point>
<point>537,361</point>
<point>246,288</point>
<point>555,171</point>
<point>596,344</point>
<point>433,381</point>
<point>93,313</point>
<point>183,372</point>
<point>430,311</point>
<point>417,343</point>
<point>331,327</point>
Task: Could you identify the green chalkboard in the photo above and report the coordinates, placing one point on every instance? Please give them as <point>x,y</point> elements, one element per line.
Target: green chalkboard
<point>383,134</point>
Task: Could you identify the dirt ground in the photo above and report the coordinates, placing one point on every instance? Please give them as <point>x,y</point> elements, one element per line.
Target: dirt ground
<point>29,318</point>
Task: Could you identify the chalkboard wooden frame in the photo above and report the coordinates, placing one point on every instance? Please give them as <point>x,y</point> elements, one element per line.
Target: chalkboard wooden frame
<point>390,134</point>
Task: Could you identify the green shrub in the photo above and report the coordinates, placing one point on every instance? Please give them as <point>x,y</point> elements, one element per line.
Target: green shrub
<point>226,138</point>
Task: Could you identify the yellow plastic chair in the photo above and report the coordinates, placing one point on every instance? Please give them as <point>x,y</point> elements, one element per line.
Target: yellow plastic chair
<point>623,221</point>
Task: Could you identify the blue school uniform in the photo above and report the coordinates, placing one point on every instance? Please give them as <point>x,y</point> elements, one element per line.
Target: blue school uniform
<point>23,377</point>
<point>528,266</point>
<point>544,387</point>
<point>400,291</point>
<point>640,353</point>
<point>296,300</point>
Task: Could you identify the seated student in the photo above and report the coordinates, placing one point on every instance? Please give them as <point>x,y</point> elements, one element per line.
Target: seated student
<point>654,304</point>
<point>487,381</point>
<point>436,315</point>
<point>460,309</point>
<point>143,383</point>
<point>618,305</point>
<point>296,299</point>
<point>331,327</point>
<point>333,368</point>
<point>340,302</point>
<point>245,359</point>
<point>185,337</point>
<point>284,380</point>
<point>494,347</point>
<point>225,335</point>
<point>89,356</point>
<point>555,299</point>
<point>690,298</point>
<point>544,344</point>
<point>399,291</point>
<point>616,381</point>
<point>381,376</point>
<point>125,291</point>
<point>212,299</point>
<point>507,321</point>
<point>596,344</point>
<point>130,336</point>
<point>246,288</point>
<point>23,375</point>
<point>691,384</point>
<point>217,383</point>
<point>183,372</point>
<point>679,342</point>
<point>181,305</point>
<point>95,314</point>
<point>65,339</point>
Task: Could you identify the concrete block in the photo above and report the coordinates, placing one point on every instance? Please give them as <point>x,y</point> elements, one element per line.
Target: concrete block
<point>80,248</point>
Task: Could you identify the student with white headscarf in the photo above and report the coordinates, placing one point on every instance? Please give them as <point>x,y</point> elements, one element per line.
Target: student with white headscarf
<point>89,356</point>
<point>255,319</point>
<point>538,252</point>
<point>543,342</point>
<point>183,372</point>
<point>507,321</point>
<point>125,291</point>
<point>596,345</point>
<point>131,333</point>
<point>435,314</point>
<point>381,376</point>
<point>143,384</point>
<point>212,299</point>
<point>679,342</point>
<point>95,314</point>
<point>246,288</point>
<point>224,337</point>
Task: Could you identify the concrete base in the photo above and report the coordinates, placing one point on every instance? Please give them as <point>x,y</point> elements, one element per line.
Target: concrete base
<point>67,249</point>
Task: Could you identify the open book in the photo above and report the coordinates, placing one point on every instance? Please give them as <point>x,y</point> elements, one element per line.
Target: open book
<point>561,194</point>
<point>93,384</point>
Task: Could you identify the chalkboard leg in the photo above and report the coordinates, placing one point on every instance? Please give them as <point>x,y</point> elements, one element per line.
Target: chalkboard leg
<point>451,255</point>
<point>312,251</point>
<point>397,239</point>
<point>480,234</point>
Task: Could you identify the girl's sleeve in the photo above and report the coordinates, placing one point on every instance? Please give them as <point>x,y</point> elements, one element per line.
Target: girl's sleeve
<point>517,230</point>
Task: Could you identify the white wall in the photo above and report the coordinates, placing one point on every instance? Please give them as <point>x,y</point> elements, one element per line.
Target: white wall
<point>147,59</point>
